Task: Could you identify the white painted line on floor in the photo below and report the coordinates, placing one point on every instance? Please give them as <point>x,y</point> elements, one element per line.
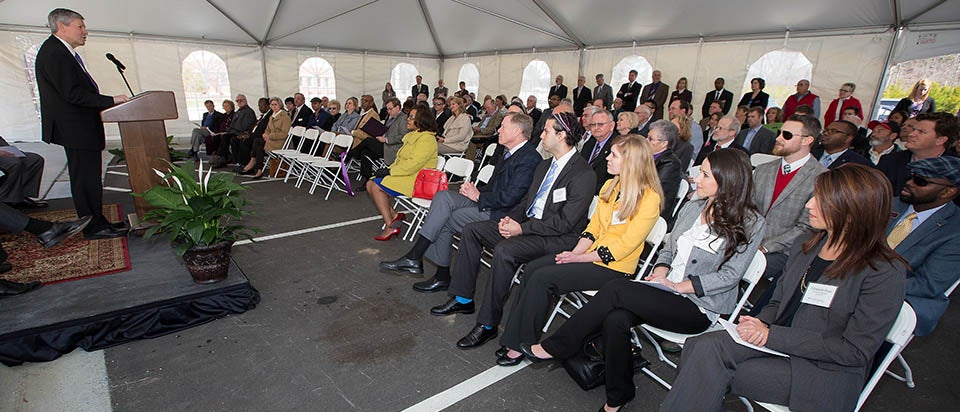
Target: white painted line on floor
<point>466,388</point>
<point>118,173</point>
<point>116,189</point>
<point>309,230</point>
<point>264,180</point>
<point>76,382</point>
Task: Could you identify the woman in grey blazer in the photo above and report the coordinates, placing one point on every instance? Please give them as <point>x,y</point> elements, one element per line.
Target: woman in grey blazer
<point>696,276</point>
<point>838,297</point>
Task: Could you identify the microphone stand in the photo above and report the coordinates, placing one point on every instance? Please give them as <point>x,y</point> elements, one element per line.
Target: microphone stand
<point>125,81</point>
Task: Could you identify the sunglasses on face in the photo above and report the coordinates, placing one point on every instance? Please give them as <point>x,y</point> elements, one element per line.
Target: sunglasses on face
<point>922,181</point>
<point>787,135</point>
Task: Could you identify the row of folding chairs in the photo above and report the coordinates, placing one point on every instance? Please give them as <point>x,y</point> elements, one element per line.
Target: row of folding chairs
<point>299,159</point>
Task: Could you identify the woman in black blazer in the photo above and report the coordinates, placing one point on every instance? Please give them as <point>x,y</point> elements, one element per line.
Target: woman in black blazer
<point>919,100</point>
<point>756,97</point>
<point>838,297</point>
<point>681,92</point>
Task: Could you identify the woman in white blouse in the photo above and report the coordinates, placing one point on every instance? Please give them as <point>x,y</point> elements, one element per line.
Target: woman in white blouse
<point>457,131</point>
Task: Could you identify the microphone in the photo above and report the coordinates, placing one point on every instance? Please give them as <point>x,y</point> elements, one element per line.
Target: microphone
<point>120,66</point>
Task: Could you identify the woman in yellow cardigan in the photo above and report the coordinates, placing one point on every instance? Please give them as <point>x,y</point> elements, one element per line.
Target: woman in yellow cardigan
<point>418,152</point>
<point>627,209</point>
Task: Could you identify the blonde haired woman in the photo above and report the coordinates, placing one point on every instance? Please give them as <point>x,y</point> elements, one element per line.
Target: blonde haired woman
<point>627,209</point>
<point>274,135</point>
<point>919,100</point>
<point>627,122</point>
<point>458,129</point>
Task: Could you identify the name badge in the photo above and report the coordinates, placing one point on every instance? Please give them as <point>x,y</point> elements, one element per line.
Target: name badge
<point>819,294</point>
<point>617,220</point>
<point>560,195</point>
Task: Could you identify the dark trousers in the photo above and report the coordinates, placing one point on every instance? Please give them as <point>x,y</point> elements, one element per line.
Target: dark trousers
<point>223,146</point>
<point>258,152</point>
<point>369,147</point>
<point>22,179</point>
<point>618,306</point>
<point>775,264</point>
<point>542,281</point>
<point>713,363</point>
<point>241,149</point>
<point>86,185</point>
<point>508,255</point>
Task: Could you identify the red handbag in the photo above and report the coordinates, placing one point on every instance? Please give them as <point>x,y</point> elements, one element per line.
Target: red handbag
<point>428,183</point>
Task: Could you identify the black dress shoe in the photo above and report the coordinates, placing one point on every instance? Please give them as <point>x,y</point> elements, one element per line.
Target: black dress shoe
<point>501,352</point>
<point>477,336</point>
<point>5,267</point>
<point>451,307</point>
<point>403,265</point>
<point>8,288</point>
<point>62,230</point>
<point>108,232</point>
<point>431,285</point>
<point>28,204</point>
<point>119,225</point>
<point>525,348</point>
<point>508,361</point>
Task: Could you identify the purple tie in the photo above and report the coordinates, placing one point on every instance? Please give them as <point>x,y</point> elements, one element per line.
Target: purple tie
<point>79,60</point>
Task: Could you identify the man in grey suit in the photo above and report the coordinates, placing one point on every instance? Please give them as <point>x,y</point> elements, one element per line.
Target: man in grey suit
<point>396,129</point>
<point>581,96</point>
<point>756,138</point>
<point>602,91</point>
<point>781,191</point>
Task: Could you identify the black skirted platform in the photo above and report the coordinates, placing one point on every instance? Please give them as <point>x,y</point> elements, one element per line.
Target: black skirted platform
<point>156,297</point>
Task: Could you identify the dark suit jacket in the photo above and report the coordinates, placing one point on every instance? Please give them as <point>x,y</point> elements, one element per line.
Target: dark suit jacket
<point>319,119</point>
<point>510,181</point>
<point>441,120</point>
<point>630,102</point>
<point>474,115</point>
<point>670,172</point>
<point>604,92</point>
<point>422,89</point>
<point>685,95</point>
<point>580,100</point>
<point>894,166</point>
<point>659,97</point>
<point>644,129</point>
<point>726,97</point>
<point>217,117</point>
<point>906,105</point>
<point>711,146</point>
<point>535,114</point>
<point>599,163</point>
<point>831,348</point>
<point>849,156</point>
<point>761,100</point>
<point>562,221</point>
<point>559,91</point>
<point>302,117</point>
<point>762,142</point>
<point>932,251</point>
<point>70,104</point>
<point>261,125</point>
<point>242,121</point>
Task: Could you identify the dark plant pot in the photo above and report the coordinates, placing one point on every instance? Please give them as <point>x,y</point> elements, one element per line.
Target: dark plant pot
<point>208,264</point>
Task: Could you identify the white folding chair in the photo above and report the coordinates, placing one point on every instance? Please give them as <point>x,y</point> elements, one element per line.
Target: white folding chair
<point>485,173</point>
<point>578,299</point>
<point>758,159</point>
<point>593,207</point>
<point>324,172</point>
<point>288,148</point>
<point>899,336</point>
<point>296,160</point>
<point>456,166</point>
<point>488,153</point>
<point>440,162</point>
<point>681,194</point>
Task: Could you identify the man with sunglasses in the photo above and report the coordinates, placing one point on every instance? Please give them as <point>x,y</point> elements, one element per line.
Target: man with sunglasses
<point>930,135</point>
<point>836,140</point>
<point>781,189</point>
<point>925,230</point>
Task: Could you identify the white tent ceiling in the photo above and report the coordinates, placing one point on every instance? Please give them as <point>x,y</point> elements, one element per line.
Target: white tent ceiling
<point>451,28</point>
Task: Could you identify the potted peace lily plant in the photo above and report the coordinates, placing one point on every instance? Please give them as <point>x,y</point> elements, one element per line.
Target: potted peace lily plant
<point>199,212</point>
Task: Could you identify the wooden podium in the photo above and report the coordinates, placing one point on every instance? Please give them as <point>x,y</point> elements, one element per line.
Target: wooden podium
<point>144,138</point>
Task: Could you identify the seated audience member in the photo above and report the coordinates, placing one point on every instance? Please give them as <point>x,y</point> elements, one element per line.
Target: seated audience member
<point>250,145</point>
<point>844,100</point>
<point>552,103</point>
<point>241,122</point>
<point>548,220</point>
<point>419,151</point>
<point>756,138</point>
<point>683,148</point>
<point>422,98</point>
<point>682,108</point>
<point>290,106</point>
<point>703,260</point>
<point>644,114</point>
<point>440,113</point>
<point>376,147</point>
<point>368,113</point>
<point>783,187</point>
<point>617,107</point>
<point>626,123</point>
<point>756,97</point>
<point>925,230</point>
<point>836,140</point>
<point>278,127</point>
<point>724,137</point>
<point>333,107</point>
<point>610,247</point>
<point>713,108</point>
<point>774,120</point>
<point>49,234</point>
<point>485,132</point>
<point>532,110</point>
<point>831,342</point>
<point>301,114</point>
<point>712,122</point>
<point>919,101</point>
<point>208,123</point>
<point>600,104</point>
<point>882,138</point>
<point>320,114</point>
<point>20,184</point>
<point>470,108</point>
<point>931,135</point>
<point>212,142</point>
<point>457,131</point>
<point>662,136</point>
<point>741,115</point>
<point>450,211</point>
<point>898,117</point>
<point>803,110</point>
<point>348,120</point>
<point>860,142</point>
<point>596,149</point>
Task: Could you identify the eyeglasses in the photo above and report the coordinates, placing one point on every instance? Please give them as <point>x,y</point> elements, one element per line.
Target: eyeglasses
<point>846,90</point>
<point>593,125</point>
<point>923,181</point>
<point>787,135</point>
<point>437,104</point>
<point>832,131</point>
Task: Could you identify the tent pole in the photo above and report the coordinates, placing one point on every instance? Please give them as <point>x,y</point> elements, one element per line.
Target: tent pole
<point>883,73</point>
<point>263,70</point>
<point>583,63</point>
<point>696,68</point>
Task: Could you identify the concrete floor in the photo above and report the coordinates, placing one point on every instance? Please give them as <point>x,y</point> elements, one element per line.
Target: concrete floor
<point>335,333</point>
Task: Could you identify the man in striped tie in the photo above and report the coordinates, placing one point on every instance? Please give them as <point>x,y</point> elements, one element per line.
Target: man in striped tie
<point>925,230</point>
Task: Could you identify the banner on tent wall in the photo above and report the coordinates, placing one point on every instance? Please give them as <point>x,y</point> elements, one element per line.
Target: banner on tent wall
<point>915,45</point>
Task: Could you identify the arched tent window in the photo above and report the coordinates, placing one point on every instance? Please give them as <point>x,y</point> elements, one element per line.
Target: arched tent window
<point>622,70</point>
<point>403,77</point>
<point>536,81</point>
<point>204,77</point>
<point>469,75</point>
<point>780,70</point>
<point>317,79</point>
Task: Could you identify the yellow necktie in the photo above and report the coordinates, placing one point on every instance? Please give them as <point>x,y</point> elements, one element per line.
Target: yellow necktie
<point>901,230</point>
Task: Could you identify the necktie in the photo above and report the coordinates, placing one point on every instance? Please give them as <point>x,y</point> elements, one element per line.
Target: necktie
<point>542,192</point>
<point>390,121</point>
<point>786,169</point>
<point>595,152</point>
<point>826,160</point>
<point>82,66</point>
<point>507,154</point>
<point>718,96</point>
<point>901,230</point>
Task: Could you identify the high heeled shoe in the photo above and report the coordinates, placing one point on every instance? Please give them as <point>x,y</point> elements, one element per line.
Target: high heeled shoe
<point>399,218</point>
<point>395,231</point>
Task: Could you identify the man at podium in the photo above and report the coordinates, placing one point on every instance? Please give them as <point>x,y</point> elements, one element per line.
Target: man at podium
<point>70,105</point>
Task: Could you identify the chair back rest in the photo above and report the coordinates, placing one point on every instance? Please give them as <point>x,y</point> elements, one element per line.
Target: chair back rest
<point>758,159</point>
<point>752,277</point>
<point>327,139</point>
<point>297,131</point>
<point>459,166</point>
<point>485,174</point>
<point>899,336</point>
<point>655,240</point>
<point>593,207</point>
<point>681,193</point>
<point>952,287</point>
<point>488,152</point>
<point>440,162</point>
<point>344,141</point>
<point>313,136</point>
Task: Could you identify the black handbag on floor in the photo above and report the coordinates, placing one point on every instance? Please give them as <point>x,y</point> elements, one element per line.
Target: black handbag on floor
<point>588,369</point>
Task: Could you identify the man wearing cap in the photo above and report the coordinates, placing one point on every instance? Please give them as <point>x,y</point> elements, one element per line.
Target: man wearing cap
<point>320,114</point>
<point>932,135</point>
<point>882,138</point>
<point>925,230</point>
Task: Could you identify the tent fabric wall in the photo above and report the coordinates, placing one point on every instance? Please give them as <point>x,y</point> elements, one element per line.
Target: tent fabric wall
<point>921,44</point>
